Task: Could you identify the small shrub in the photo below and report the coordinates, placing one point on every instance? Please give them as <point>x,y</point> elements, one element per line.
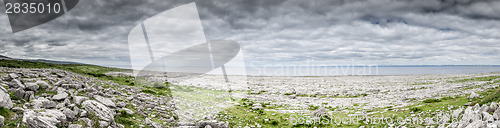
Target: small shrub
<point>431,100</point>
<point>415,109</point>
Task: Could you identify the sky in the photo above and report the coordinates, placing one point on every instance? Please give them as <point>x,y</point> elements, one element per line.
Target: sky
<point>281,32</point>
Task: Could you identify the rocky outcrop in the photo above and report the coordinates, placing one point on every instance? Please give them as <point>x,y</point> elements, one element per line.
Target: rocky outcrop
<point>46,118</point>
<point>5,100</point>
<point>99,110</point>
<point>105,101</point>
<point>60,96</point>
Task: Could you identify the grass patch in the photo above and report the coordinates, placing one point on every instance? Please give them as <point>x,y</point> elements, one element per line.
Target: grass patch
<point>492,95</point>
<point>431,100</point>
<point>486,78</point>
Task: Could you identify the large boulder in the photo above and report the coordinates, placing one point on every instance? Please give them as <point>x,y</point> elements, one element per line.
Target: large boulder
<point>16,84</point>
<point>42,84</point>
<point>48,118</point>
<point>32,87</point>
<point>5,99</point>
<point>79,99</point>
<point>70,115</point>
<point>60,96</point>
<point>19,93</point>
<point>42,102</point>
<point>99,110</point>
<point>106,101</point>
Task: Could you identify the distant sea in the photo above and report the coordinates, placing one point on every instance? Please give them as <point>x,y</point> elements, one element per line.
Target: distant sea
<point>365,70</point>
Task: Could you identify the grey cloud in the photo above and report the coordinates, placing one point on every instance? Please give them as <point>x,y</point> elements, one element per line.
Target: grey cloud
<point>282,31</point>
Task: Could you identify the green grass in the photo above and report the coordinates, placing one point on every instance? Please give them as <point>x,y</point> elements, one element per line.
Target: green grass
<point>486,78</point>
<point>492,95</point>
<point>431,100</point>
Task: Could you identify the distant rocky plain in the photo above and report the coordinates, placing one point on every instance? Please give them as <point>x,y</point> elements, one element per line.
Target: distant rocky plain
<point>50,98</point>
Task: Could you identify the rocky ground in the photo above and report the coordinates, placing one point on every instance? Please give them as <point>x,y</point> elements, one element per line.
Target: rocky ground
<point>52,98</point>
<point>49,98</point>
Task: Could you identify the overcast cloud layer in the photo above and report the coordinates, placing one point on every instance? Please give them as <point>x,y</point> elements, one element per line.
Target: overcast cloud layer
<point>281,32</point>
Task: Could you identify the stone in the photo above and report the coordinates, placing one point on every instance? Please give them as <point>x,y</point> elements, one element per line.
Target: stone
<point>477,124</point>
<point>257,106</point>
<point>75,126</point>
<point>79,99</point>
<point>42,102</point>
<point>31,87</point>
<point>456,113</point>
<point>148,121</point>
<point>87,120</point>
<point>473,95</point>
<point>157,125</point>
<point>16,84</point>
<point>486,116</point>
<point>48,118</point>
<point>105,101</point>
<point>60,96</point>
<point>13,76</point>
<point>2,120</point>
<point>29,95</point>
<point>42,84</point>
<point>103,124</point>
<point>128,111</point>
<point>99,110</point>
<point>19,93</point>
<point>321,111</point>
<point>70,115</point>
<point>83,113</point>
<point>5,100</point>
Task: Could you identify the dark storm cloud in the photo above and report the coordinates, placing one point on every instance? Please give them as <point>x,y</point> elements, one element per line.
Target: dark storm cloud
<point>282,31</point>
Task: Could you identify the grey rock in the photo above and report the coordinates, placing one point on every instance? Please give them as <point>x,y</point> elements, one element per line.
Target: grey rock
<point>46,119</point>
<point>5,100</point>
<point>99,110</point>
<point>105,101</point>
<point>43,103</point>
<point>148,121</point>
<point>456,113</point>
<point>496,114</point>
<point>32,87</point>
<point>487,117</point>
<point>17,109</point>
<point>16,84</point>
<point>75,126</point>
<point>13,76</point>
<point>128,111</point>
<point>473,95</point>
<point>321,111</point>
<point>88,121</point>
<point>477,124</point>
<point>257,106</point>
<point>29,95</point>
<point>70,115</point>
<point>60,96</point>
<point>2,119</point>
<point>83,113</point>
<point>103,124</point>
<point>42,84</point>
<point>79,99</point>
<point>157,125</point>
<point>19,93</point>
